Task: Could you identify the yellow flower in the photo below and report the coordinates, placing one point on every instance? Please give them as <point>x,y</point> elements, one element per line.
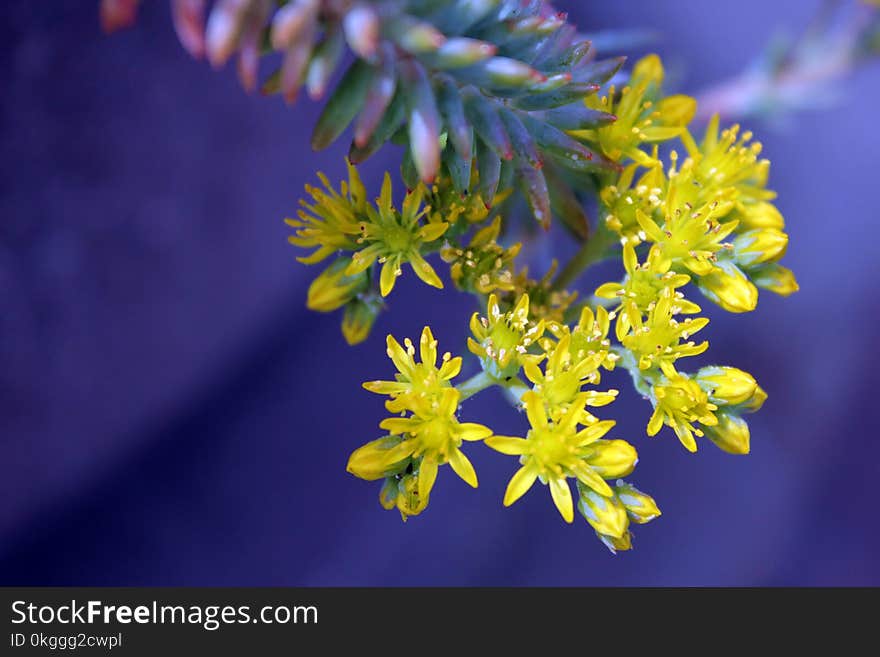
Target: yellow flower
<point>503,338</point>
<point>621,200</point>
<point>331,223</point>
<point>643,285</point>
<point>435,436</point>
<point>345,221</point>
<point>555,451</point>
<point>690,236</point>
<point>640,117</point>
<point>588,337</point>
<point>727,160</point>
<point>565,373</point>
<point>680,403</point>
<point>417,386</point>
<point>430,437</point>
<point>393,237</point>
<point>483,266</point>
<point>657,340</point>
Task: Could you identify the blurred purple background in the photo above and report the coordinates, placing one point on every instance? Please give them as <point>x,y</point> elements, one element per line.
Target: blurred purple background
<point>170,413</point>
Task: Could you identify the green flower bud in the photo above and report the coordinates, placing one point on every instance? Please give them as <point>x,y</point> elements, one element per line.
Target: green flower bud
<point>727,286</point>
<point>388,494</point>
<point>731,434</point>
<point>607,515</point>
<point>727,385</point>
<point>640,507</point>
<point>760,245</point>
<point>333,289</point>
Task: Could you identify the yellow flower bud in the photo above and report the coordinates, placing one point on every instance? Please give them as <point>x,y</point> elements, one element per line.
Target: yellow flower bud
<point>760,245</point>
<point>756,401</point>
<point>727,385</point>
<point>379,458</point>
<point>612,458</point>
<point>760,215</point>
<point>649,69</point>
<point>358,320</point>
<point>615,544</point>
<point>333,289</point>
<point>409,502</point>
<point>607,515</point>
<point>727,286</point>
<point>731,434</point>
<point>775,278</point>
<point>640,507</point>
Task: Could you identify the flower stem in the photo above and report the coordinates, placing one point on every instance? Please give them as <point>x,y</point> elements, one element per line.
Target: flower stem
<point>514,391</point>
<point>475,384</point>
<point>593,250</point>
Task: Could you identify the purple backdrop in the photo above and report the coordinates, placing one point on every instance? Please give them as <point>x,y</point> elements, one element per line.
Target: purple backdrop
<point>170,413</point>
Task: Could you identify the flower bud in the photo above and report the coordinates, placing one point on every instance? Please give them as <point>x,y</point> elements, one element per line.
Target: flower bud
<point>388,494</point>
<point>760,245</point>
<point>756,401</point>
<point>607,515</point>
<point>727,286</point>
<point>332,289</point>
<point>379,458</point>
<point>731,434</point>
<point>360,315</point>
<point>408,501</point>
<point>612,458</point>
<point>615,544</point>
<point>760,215</point>
<point>727,385</point>
<point>775,278</point>
<point>640,507</point>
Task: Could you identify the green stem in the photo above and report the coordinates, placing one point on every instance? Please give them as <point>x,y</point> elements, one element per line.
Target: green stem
<point>514,390</point>
<point>593,250</point>
<point>475,384</point>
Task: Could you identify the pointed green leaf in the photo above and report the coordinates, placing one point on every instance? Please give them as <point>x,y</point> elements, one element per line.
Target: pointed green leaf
<point>343,105</point>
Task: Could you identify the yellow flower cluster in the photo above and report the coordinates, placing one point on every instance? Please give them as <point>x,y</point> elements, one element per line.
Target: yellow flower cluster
<point>704,220</point>
<point>427,436</point>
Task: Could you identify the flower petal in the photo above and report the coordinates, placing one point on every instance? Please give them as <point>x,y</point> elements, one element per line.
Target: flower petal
<point>561,493</point>
<point>427,477</point>
<point>471,431</point>
<point>519,484</point>
<point>508,445</point>
<point>428,347</point>
<point>388,276</point>
<point>463,467</point>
